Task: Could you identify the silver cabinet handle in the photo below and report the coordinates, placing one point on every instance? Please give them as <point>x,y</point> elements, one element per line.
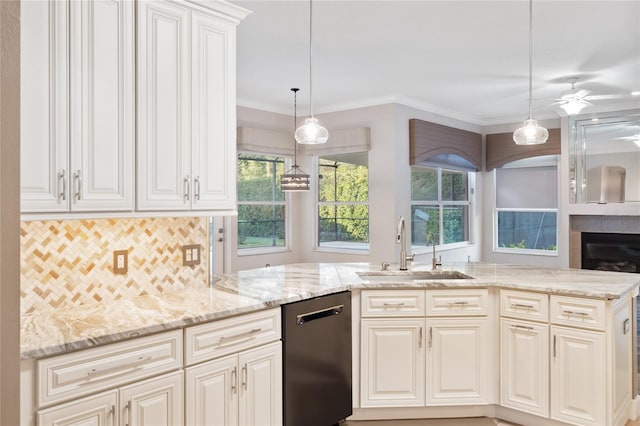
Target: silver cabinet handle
<point>62,193</point>
<point>430,337</point>
<point>196,188</point>
<point>245,378</point>
<point>569,313</point>
<point>77,178</point>
<point>522,327</point>
<point>246,335</point>
<point>130,365</point>
<point>554,345</point>
<point>234,380</point>
<point>420,339</point>
<point>392,305</point>
<point>112,412</point>
<point>128,408</point>
<point>462,303</point>
<point>522,305</point>
<point>186,188</point>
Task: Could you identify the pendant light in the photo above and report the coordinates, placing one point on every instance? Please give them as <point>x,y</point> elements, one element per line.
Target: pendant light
<point>294,180</point>
<point>530,133</point>
<point>311,132</point>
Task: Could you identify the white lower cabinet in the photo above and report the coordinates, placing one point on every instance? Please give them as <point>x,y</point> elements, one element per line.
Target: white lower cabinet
<point>457,361</point>
<point>393,362</point>
<point>153,402</point>
<point>524,372</point>
<point>578,371</point>
<point>242,389</point>
<point>96,410</point>
<point>415,360</point>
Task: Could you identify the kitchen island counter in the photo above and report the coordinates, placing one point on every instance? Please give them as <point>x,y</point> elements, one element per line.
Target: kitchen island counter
<point>69,329</point>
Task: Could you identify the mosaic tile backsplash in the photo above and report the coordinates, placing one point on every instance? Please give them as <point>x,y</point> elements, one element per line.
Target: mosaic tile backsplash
<point>70,262</point>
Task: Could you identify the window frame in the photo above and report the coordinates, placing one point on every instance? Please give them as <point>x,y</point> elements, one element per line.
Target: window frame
<point>366,247</point>
<point>441,204</point>
<point>285,203</point>
<point>526,163</point>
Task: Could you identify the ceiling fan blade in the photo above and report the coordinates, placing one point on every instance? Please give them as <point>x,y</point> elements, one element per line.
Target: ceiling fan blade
<point>581,93</point>
<point>604,97</point>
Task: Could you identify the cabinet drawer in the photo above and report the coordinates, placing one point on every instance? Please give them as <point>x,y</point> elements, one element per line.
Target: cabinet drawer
<point>393,303</point>
<point>219,338</point>
<point>524,305</point>
<point>454,302</point>
<point>79,373</point>
<point>578,312</point>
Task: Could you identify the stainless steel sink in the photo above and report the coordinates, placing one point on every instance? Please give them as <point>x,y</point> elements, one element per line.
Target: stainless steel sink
<point>400,276</point>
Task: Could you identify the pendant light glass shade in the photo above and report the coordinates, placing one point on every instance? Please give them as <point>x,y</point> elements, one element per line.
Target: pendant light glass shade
<point>531,133</point>
<point>295,180</point>
<point>311,132</point>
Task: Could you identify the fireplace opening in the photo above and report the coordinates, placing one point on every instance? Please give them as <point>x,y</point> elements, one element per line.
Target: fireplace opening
<point>611,252</point>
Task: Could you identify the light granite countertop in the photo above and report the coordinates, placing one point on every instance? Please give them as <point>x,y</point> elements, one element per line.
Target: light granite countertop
<point>64,330</point>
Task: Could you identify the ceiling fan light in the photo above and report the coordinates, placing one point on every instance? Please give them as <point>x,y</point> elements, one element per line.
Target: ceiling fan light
<point>530,133</point>
<point>573,107</point>
<point>311,132</point>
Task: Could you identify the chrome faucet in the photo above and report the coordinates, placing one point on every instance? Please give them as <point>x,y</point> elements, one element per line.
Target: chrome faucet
<point>434,262</point>
<point>401,238</point>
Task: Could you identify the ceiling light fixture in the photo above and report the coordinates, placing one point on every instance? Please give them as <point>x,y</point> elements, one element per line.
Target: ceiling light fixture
<point>573,101</point>
<point>530,133</point>
<point>295,180</point>
<point>311,132</point>
<point>574,106</point>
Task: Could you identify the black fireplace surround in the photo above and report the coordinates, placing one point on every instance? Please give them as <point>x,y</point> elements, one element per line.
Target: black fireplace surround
<point>611,252</point>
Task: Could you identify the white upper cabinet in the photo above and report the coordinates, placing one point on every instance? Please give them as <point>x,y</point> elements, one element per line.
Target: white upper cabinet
<point>77,106</point>
<point>186,109</point>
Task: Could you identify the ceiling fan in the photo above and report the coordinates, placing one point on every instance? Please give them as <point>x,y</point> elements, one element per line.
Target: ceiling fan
<point>574,100</point>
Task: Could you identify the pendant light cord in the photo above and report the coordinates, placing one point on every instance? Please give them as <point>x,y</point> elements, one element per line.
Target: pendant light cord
<point>295,123</point>
<point>310,57</point>
<point>530,57</point>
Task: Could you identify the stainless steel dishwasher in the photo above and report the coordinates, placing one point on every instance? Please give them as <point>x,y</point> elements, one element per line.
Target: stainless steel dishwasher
<point>316,338</point>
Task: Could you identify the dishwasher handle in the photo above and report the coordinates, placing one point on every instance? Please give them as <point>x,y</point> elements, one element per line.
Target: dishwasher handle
<point>319,314</point>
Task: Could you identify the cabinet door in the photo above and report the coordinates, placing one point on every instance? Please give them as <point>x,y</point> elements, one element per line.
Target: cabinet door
<point>212,393</point>
<point>213,113</point>
<point>524,366</point>
<point>154,402</point>
<point>44,130</point>
<point>102,104</point>
<point>96,410</point>
<point>163,106</point>
<point>457,361</point>
<point>393,362</point>
<point>578,376</point>
<point>260,401</point>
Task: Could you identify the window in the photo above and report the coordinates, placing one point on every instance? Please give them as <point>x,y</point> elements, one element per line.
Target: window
<point>343,201</point>
<point>261,204</point>
<point>439,206</point>
<point>526,209</point>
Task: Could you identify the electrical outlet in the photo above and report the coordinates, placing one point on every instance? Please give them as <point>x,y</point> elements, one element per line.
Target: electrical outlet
<point>191,255</point>
<point>120,261</point>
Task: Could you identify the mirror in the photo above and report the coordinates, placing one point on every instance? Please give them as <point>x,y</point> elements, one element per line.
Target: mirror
<point>605,158</point>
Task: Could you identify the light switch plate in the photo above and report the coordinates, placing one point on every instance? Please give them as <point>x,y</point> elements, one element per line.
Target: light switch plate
<point>191,255</point>
<point>120,261</point>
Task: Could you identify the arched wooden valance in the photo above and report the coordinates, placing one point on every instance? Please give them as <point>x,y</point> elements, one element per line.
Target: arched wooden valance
<point>501,149</point>
<point>427,140</point>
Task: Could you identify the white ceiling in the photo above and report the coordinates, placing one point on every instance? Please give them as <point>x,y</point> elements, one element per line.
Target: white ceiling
<point>463,59</point>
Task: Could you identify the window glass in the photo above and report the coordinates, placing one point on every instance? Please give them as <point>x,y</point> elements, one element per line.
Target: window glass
<point>526,209</point>
<point>424,184</point>
<point>343,194</point>
<point>439,205</point>
<point>261,206</point>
